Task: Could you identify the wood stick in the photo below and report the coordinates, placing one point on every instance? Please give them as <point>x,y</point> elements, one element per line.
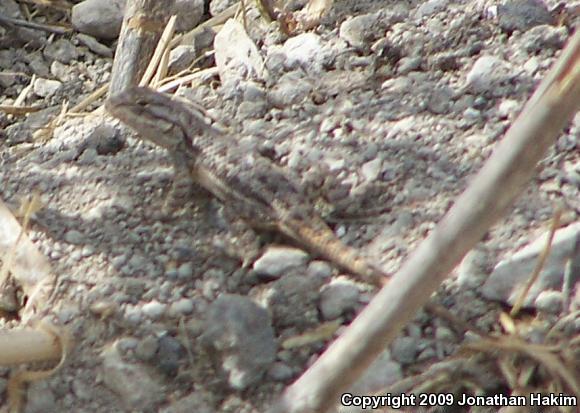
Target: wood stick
<point>158,65</point>
<point>142,26</point>
<point>28,345</point>
<point>187,38</point>
<point>36,26</point>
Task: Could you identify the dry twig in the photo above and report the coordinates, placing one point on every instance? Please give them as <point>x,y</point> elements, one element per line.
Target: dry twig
<point>142,26</point>
<point>539,265</point>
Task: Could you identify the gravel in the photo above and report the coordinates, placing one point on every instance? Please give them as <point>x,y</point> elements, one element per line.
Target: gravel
<point>385,111</point>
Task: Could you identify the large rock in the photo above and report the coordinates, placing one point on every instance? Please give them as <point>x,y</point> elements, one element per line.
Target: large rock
<point>240,336</point>
<point>99,18</point>
<point>236,55</point>
<point>103,18</point>
<point>511,275</point>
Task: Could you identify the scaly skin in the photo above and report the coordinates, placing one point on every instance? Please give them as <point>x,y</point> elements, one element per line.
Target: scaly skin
<point>260,192</point>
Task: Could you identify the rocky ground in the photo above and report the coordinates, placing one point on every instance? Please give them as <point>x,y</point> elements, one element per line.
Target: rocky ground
<point>387,108</point>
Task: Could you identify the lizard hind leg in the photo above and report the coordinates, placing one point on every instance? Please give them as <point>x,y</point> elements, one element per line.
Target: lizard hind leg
<point>174,201</point>
<point>241,241</point>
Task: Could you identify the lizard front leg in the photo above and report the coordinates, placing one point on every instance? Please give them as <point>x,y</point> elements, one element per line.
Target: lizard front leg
<point>183,187</point>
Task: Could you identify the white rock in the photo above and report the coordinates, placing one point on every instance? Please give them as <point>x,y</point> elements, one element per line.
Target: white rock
<point>137,389</point>
<point>356,30</point>
<point>487,73</point>
<point>181,307</point>
<point>371,169</point>
<point>277,260</point>
<point>382,372</point>
<point>154,309</point>
<point>430,7</point>
<point>189,13</point>
<point>508,108</point>
<point>99,18</point>
<point>511,274</point>
<point>46,87</point>
<point>550,301</point>
<point>305,51</point>
<point>103,18</point>
<point>337,299</point>
<point>320,269</point>
<point>236,55</point>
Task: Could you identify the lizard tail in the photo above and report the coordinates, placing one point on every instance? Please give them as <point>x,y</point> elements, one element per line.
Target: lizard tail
<point>322,241</point>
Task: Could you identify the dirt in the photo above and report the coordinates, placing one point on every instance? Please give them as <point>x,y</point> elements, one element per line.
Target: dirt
<point>389,130</point>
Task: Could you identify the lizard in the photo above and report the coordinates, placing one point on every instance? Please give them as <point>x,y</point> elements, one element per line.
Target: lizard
<point>262,193</point>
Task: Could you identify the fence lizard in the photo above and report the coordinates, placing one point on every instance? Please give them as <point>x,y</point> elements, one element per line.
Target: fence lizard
<point>254,188</point>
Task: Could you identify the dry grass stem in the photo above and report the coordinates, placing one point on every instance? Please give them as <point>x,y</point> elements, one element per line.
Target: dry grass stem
<point>539,265</point>
<point>160,50</point>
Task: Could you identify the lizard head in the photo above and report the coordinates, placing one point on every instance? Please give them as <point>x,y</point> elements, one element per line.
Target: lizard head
<point>156,117</point>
